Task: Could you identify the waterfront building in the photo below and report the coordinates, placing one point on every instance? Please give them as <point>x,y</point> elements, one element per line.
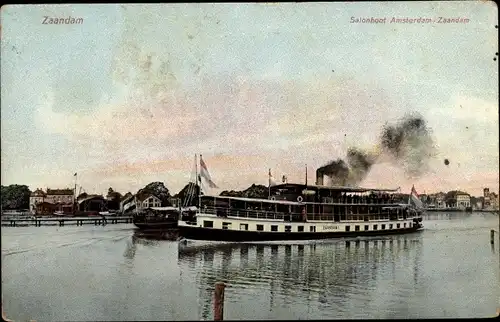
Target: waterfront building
<point>140,201</point>
<point>51,201</point>
<point>425,199</point>
<point>45,208</point>
<point>63,196</point>
<point>486,195</point>
<point>490,200</point>
<point>440,200</point>
<point>493,201</point>
<point>147,200</point>
<point>36,197</point>
<point>435,200</point>
<point>92,203</point>
<point>462,200</point>
<point>175,202</point>
<point>113,199</point>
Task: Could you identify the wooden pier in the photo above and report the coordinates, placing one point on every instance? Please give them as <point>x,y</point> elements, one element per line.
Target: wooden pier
<point>78,221</point>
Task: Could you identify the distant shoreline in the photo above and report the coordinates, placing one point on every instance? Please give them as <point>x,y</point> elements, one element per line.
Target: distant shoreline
<point>457,210</point>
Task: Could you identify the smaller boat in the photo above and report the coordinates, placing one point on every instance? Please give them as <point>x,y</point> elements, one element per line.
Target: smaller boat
<point>161,217</point>
<point>164,218</point>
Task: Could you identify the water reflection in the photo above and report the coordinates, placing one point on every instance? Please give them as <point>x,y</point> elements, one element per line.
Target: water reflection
<point>323,276</point>
<point>131,248</point>
<point>147,238</point>
<point>142,236</point>
<point>445,215</point>
<point>333,272</point>
<point>448,270</point>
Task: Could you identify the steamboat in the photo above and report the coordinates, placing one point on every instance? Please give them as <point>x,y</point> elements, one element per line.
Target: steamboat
<point>303,212</point>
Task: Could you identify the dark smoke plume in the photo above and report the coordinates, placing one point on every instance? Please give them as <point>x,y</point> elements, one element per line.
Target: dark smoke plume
<point>354,171</point>
<point>408,144</point>
<point>360,164</point>
<point>337,170</point>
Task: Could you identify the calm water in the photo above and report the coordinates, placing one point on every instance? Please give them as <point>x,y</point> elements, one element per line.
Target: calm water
<point>112,273</point>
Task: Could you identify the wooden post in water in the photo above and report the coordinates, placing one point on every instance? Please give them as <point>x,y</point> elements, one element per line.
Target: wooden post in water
<point>492,237</point>
<point>219,301</point>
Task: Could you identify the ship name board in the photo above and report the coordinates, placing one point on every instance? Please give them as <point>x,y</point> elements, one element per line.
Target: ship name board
<point>330,227</point>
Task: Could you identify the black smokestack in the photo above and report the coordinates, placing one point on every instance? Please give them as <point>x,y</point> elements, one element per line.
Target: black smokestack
<point>337,171</point>
<point>348,173</point>
<point>319,176</point>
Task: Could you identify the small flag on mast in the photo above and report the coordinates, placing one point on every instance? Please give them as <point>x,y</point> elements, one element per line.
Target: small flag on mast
<point>205,174</point>
<point>415,198</point>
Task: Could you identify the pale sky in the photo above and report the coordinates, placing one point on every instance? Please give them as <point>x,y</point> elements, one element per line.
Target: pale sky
<point>132,94</point>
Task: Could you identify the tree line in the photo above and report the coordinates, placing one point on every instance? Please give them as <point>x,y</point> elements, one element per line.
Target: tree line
<point>17,196</point>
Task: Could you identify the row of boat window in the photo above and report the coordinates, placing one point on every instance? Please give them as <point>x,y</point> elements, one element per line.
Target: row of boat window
<point>308,209</point>
<point>224,212</point>
<point>373,199</point>
<point>288,228</point>
<point>341,197</point>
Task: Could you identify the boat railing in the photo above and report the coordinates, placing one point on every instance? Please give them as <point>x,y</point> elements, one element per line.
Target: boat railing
<point>247,213</point>
<point>360,201</point>
<point>263,214</point>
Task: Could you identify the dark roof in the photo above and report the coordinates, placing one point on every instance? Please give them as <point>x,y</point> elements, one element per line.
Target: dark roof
<point>334,188</point>
<point>52,203</point>
<point>114,194</point>
<point>127,199</point>
<point>90,197</point>
<point>38,192</point>
<point>44,203</point>
<point>59,192</point>
<point>143,196</point>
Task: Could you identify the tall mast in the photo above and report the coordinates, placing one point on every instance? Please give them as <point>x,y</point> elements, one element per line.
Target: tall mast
<point>269,185</point>
<point>306,174</point>
<point>196,169</point>
<point>74,193</point>
<point>197,187</point>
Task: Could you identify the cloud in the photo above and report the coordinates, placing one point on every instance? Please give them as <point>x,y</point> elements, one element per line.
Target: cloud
<point>155,120</point>
<point>234,112</point>
<point>468,108</point>
<point>466,131</point>
<point>245,126</point>
<point>135,118</point>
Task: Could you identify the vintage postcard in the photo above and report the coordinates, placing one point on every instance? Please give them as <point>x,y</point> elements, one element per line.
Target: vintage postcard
<point>194,161</point>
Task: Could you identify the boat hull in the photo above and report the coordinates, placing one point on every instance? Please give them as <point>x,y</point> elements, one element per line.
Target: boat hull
<point>156,225</point>
<point>227,235</point>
